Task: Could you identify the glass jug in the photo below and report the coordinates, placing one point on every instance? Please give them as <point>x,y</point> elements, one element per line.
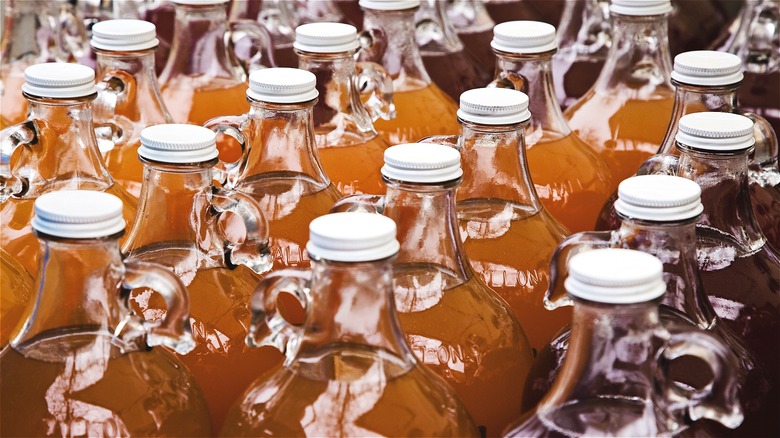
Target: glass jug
<point>352,95</point>
<point>83,363</point>
<point>624,116</point>
<point>422,108</point>
<point>54,149</point>
<point>128,95</point>
<point>474,28</point>
<point>178,226</point>
<point>616,379</point>
<point>455,325</point>
<point>348,370</point>
<point>16,289</point>
<point>572,181</point>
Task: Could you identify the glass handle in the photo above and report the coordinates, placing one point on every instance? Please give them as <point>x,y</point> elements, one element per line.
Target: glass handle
<point>361,203</point>
<point>556,295</point>
<point>260,54</point>
<point>173,331</point>
<point>763,162</point>
<point>226,172</point>
<point>24,134</point>
<point>253,252</point>
<point>115,89</point>
<point>452,141</point>
<point>661,164</point>
<point>375,86</point>
<point>761,56</point>
<point>512,81</point>
<point>373,43</point>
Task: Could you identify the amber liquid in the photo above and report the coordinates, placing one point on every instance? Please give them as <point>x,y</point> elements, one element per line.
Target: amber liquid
<point>81,383</point>
<point>13,105</point>
<point>349,391</point>
<point>467,336</point>
<point>419,113</point>
<point>623,132</point>
<point>511,251</point>
<point>572,182</point>
<point>123,164</point>
<point>456,72</point>
<point>355,168</point>
<point>16,289</point>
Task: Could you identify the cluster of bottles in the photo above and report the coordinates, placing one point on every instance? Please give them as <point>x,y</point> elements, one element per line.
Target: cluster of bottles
<point>247,227</point>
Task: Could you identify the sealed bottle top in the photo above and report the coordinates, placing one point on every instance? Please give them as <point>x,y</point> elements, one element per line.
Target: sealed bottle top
<point>707,68</point>
<point>78,214</point>
<point>659,198</point>
<point>716,132</point>
<point>352,237</point>
<point>178,143</point>
<point>425,163</point>
<point>57,80</point>
<point>282,85</point>
<point>326,38</point>
<point>524,37</point>
<point>640,7</point>
<point>389,5</point>
<point>124,35</point>
<point>494,106</point>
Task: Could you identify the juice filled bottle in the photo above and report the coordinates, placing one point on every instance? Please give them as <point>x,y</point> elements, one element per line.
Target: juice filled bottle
<point>280,167</point>
<point>83,364</point>
<point>16,290</point>
<point>624,116</point>
<point>571,180</point>
<point>455,325</point>
<point>422,108</point>
<point>348,371</point>
<point>474,28</point>
<point>350,149</point>
<point>128,95</point>
<point>178,226</point>
<point>616,379</point>
<point>53,149</point>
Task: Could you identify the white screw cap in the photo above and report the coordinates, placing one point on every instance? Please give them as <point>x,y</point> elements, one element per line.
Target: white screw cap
<point>389,5</point>
<point>640,7</point>
<point>282,85</point>
<point>326,38</point>
<point>78,214</point>
<point>59,80</point>
<point>659,198</point>
<point>124,35</point>
<point>615,276</point>
<point>178,143</point>
<point>707,68</point>
<point>494,106</point>
<point>352,237</point>
<point>715,132</point>
<point>524,37</point>
<point>422,163</point>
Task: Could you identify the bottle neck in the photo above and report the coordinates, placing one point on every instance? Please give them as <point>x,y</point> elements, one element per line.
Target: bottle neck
<point>434,32</point>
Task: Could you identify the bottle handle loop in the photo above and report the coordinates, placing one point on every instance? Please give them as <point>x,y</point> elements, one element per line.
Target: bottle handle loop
<point>24,135</point>
<point>660,164</point>
<point>361,203</point>
<point>556,295</point>
<point>260,52</point>
<point>375,86</point>
<point>115,90</point>
<point>373,43</point>
<point>227,172</point>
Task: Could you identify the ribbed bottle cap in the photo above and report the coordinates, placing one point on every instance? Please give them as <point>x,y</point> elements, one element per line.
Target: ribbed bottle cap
<point>78,214</point>
<point>707,68</point>
<point>422,163</point>
<point>494,106</point>
<point>615,276</point>
<point>282,85</point>
<point>124,35</point>
<point>59,80</point>
<point>326,38</point>
<point>660,198</point>
<point>200,2</point>
<point>352,237</point>
<point>178,143</point>
<point>524,37</point>
<point>715,132</point>
<point>389,5</point>
<point>640,7</point>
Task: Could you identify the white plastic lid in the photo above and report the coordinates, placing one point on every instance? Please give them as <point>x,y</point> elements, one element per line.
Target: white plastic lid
<point>78,214</point>
<point>615,276</point>
<point>178,143</point>
<point>282,85</point>
<point>200,2</point>
<point>389,5</point>
<point>715,132</point>
<point>707,68</point>
<point>352,237</point>
<point>640,7</point>
<point>59,80</point>
<point>524,37</point>
<point>660,198</point>
<point>124,35</point>
<point>422,163</point>
<point>494,106</point>
<point>326,38</point>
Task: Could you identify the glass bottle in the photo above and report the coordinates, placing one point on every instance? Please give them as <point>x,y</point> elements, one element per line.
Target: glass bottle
<point>474,28</point>
<point>444,55</point>
<point>348,370</point>
<point>571,180</point>
<point>624,116</point>
<point>83,363</point>
<point>422,108</point>
<point>279,18</point>
<point>128,95</point>
<point>280,166</point>
<point>54,149</point>
<point>178,226</point>
<point>455,325</point>
<point>352,95</point>
<point>616,379</point>
<point>16,290</point>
